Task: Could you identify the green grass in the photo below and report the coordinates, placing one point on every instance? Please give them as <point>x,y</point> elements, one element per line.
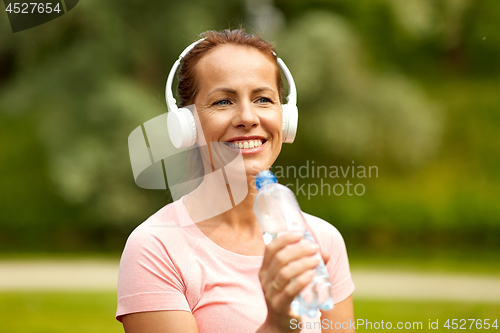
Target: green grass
<point>86,312</point>
<point>40,255</point>
<point>58,312</point>
<point>420,311</point>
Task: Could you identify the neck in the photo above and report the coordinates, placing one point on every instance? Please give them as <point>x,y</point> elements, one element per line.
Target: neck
<point>215,202</point>
<point>242,216</point>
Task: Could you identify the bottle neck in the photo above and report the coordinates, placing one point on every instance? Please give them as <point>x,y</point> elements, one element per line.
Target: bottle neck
<point>266,182</point>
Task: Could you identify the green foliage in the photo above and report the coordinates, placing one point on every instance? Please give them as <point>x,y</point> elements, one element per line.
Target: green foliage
<point>86,80</point>
<point>407,86</point>
<point>356,113</point>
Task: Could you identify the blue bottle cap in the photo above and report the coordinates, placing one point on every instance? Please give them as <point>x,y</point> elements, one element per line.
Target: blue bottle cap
<point>263,178</point>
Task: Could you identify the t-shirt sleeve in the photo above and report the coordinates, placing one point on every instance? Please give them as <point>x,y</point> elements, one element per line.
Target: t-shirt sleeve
<point>148,278</point>
<point>331,241</point>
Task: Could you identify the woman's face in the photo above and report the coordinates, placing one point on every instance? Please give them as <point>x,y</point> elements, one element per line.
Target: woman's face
<point>238,105</point>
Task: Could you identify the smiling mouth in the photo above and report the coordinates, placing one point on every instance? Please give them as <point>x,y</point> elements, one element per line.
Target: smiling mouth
<point>246,144</point>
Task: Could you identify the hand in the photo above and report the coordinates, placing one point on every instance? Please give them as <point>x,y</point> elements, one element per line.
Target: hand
<point>286,270</point>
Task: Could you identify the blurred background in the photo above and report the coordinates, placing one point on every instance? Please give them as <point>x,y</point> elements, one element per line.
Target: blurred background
<point>411,87</point>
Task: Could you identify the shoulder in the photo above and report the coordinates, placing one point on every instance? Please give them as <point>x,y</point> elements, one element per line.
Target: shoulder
<point>158,250</point>
<point>169,230</point>
<point>319,223</point>
<point>324,232</point>
<point>153,226</point>
<point>154,264</point>
<point>330,240</point>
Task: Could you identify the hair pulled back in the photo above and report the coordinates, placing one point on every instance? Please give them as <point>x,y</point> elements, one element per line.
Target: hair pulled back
<point>188,85</point>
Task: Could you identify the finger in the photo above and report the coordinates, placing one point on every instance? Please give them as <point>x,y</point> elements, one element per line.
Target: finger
<point>286,296</point>
<point>289,254</point>
<point>279,243</point>
<point>294,269</point>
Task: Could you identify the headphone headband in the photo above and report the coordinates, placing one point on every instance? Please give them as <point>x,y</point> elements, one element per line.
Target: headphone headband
<point>169,96</point>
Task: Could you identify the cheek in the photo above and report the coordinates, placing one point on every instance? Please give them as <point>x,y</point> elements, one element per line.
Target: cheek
<point>213,126</point>
<point>274,122</point>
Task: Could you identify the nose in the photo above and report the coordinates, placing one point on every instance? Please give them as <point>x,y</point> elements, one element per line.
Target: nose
<point>246,117</point>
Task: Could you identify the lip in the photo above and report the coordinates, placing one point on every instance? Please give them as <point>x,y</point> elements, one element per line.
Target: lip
<point>247,151</point>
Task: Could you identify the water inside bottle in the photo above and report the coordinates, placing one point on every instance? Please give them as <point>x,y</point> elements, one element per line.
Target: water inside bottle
<point>317,295</point>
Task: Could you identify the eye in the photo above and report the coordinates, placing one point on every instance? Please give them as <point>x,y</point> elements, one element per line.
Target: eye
<point>264,100</point>
<point>222,102</point>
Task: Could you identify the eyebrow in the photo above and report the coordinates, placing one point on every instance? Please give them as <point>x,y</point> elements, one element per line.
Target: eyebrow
<point>232,91</point>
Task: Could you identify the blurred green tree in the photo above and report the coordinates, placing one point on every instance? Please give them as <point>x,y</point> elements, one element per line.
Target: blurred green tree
<point>409,86</point>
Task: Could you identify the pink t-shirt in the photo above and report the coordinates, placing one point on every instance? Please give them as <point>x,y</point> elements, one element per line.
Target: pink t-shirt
<point>169,264</point>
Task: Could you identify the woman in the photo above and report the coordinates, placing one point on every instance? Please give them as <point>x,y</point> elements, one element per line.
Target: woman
<point>217,275</point>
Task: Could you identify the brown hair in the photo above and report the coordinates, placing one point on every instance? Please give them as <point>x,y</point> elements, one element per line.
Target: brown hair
<point>188,85</point>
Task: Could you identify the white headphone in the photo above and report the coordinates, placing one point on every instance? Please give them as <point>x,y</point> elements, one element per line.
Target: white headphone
<point>181,124</point>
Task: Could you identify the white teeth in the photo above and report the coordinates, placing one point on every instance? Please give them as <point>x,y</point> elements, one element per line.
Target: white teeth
<point>246,144</point>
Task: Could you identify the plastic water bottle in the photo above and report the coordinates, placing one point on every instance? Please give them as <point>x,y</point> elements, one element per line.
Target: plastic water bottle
<point>278,211</point>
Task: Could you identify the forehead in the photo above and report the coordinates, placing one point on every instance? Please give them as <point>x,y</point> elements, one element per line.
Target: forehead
<point>235,64</point>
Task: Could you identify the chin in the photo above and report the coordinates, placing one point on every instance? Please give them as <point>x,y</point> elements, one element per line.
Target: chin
<point>252,168</point>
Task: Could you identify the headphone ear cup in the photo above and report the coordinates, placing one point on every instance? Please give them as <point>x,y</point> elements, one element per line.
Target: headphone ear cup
<point>290,122</point>
<point>181,127</point>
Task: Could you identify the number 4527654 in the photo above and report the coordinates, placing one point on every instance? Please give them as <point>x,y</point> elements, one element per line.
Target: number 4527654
<point>32,7</point>
<point>463,324</point>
